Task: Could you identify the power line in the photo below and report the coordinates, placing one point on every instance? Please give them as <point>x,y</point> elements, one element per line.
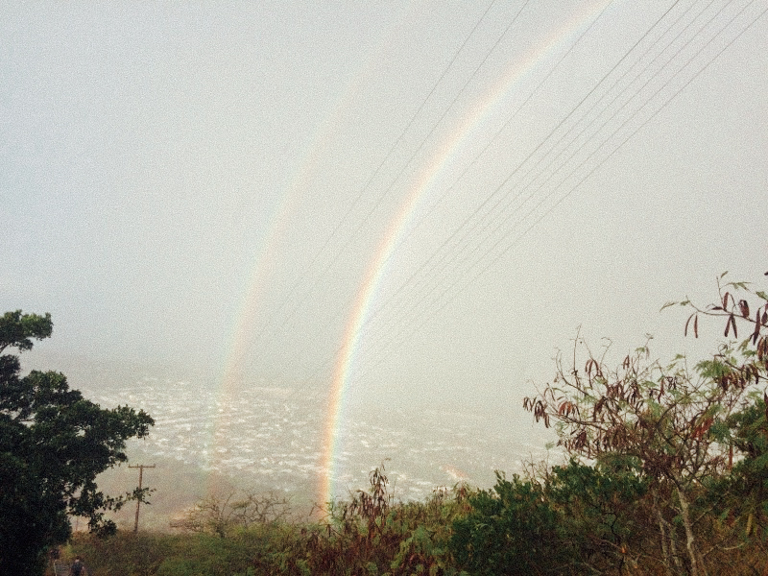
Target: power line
<point>325,246</point>
<point>494,222</point>
<point>474,161</point>
<point>448,288</point>
<point>445,252</point>
<point>503,216</point>
<point>453,292</point>
<point>388,189</point>
<point>467,225</point>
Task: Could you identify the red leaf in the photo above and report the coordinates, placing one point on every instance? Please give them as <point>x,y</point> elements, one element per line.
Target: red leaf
<point>744,308</point>
<point>765,399</point>
<point>762,348</point>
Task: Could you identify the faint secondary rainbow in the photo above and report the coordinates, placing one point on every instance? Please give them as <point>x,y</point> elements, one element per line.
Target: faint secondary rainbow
<point>242,335</point>
<point>264,260</point>
<point>353,334</point>
<point>248,310</point>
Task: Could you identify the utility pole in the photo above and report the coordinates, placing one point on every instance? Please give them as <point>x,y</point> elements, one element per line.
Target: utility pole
<point>138,502</point>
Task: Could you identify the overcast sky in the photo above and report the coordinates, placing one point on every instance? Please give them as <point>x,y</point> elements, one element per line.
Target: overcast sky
<point>452,187</point>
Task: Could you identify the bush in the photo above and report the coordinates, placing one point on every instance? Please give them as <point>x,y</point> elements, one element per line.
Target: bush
<point>512,529</point>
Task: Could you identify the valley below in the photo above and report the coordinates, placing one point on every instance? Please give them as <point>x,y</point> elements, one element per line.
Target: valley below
<point>257,438</point>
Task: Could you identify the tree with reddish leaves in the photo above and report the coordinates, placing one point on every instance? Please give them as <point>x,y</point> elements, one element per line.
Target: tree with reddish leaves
<point>672,422</point>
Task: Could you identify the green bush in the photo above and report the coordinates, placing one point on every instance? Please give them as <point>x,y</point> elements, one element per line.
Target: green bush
<point>512,529</point>
<point>575,519</point>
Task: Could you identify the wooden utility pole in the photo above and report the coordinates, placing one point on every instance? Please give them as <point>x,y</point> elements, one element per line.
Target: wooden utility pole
<point>138,502</point>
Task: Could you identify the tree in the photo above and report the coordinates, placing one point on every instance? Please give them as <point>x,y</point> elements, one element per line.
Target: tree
<point>741,496</point>
<point>744,491</point>
<point>221,515</point>
<point>677,426</point>
<point>53,444</point>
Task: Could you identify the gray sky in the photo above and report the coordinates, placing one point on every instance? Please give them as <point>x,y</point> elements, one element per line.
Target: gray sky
<point>230,184</point>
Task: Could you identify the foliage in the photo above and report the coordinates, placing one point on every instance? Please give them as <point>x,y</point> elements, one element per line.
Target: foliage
<point>369,534</point>
<point>667,474</point>
<point>53,443</point>
<point>602,512</point>
<point>512,529</point>
<point>576,518</point>
<point>137,554</point>
<point>675,425</point>
<point>741,496</point>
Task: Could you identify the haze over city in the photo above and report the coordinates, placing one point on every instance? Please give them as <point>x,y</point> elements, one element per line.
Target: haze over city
<point>371,207</point>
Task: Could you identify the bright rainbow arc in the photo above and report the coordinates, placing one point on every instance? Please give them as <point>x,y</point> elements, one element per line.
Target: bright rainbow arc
<point>383,256</point>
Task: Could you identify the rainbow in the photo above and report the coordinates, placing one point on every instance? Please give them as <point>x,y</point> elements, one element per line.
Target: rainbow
<point>241,338</point>
<point>353,334</point>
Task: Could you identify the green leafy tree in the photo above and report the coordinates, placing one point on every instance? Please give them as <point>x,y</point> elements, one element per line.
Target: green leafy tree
<point>742,494</point>
<point>603,513</point>
<point>53,444</point>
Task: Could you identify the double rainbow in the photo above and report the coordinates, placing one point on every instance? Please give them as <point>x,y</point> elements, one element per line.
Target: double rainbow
<point>382,259</point>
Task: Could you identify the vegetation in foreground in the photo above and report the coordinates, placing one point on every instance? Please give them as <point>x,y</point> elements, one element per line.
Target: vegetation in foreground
<point>53,444</point>
<point>667,474</point>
